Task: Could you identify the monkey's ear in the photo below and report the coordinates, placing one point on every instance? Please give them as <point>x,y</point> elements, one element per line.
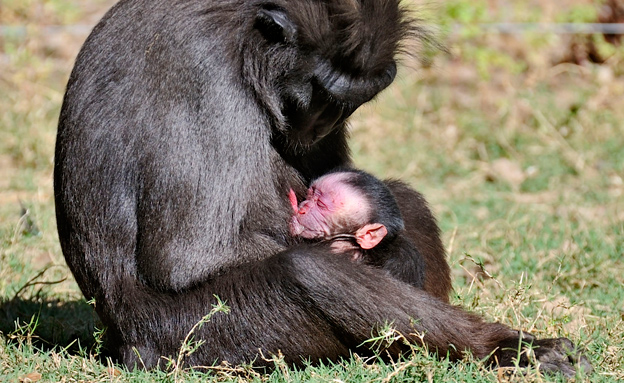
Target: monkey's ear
<point>275,25</point>
<point>370,235</point>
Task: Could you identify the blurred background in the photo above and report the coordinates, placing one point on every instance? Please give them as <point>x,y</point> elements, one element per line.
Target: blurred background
<point>514,133</point>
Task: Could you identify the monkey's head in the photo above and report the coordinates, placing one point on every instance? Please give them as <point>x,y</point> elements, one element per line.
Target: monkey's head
<point>347,203</point>
<point>312,63</point>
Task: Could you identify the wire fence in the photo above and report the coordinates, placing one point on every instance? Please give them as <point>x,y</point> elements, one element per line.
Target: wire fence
<point>24,31</point>
<point>562,28</point>
<point>502,28</point>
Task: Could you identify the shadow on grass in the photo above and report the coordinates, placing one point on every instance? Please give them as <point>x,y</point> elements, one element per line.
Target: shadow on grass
<point>50,323</point>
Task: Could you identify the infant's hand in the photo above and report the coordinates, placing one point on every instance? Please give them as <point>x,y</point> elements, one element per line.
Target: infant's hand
<point>293,200</point>
<point>346,247</point>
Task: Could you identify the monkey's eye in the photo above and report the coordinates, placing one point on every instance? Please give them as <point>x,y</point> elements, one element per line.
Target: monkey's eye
<point>318,196</point>
<point>275,25</point>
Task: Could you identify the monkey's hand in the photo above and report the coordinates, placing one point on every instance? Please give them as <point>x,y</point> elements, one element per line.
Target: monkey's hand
<point>339,246</point>
<point>293,200</point>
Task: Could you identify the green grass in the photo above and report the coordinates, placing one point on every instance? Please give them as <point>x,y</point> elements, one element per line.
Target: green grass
<point>521,157</point>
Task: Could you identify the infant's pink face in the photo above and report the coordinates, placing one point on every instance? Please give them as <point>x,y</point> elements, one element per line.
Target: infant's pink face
<point>330,206</point>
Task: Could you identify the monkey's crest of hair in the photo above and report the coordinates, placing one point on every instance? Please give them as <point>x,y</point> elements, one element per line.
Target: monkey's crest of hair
<point>362,36</point>
<point>312,63</point>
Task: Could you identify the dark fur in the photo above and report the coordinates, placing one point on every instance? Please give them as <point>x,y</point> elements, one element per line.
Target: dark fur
<point>184,125</point>
<point>400,258</point>
<point>383,206</point>
<point>423,231</point>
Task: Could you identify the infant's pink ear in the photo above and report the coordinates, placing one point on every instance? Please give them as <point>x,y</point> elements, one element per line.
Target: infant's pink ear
<point>370,235</point>
<point>293,200</point>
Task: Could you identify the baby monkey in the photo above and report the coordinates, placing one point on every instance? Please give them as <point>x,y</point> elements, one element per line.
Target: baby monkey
<point>356,214</point>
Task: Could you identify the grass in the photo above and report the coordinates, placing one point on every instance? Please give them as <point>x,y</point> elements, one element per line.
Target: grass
<point>520,154</point>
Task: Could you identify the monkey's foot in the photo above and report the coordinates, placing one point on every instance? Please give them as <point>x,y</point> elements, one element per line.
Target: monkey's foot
<point>550,355</point>
<point>560,355</point>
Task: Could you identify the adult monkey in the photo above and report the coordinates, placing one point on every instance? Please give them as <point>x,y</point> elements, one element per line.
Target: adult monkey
<point>184,124</point>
